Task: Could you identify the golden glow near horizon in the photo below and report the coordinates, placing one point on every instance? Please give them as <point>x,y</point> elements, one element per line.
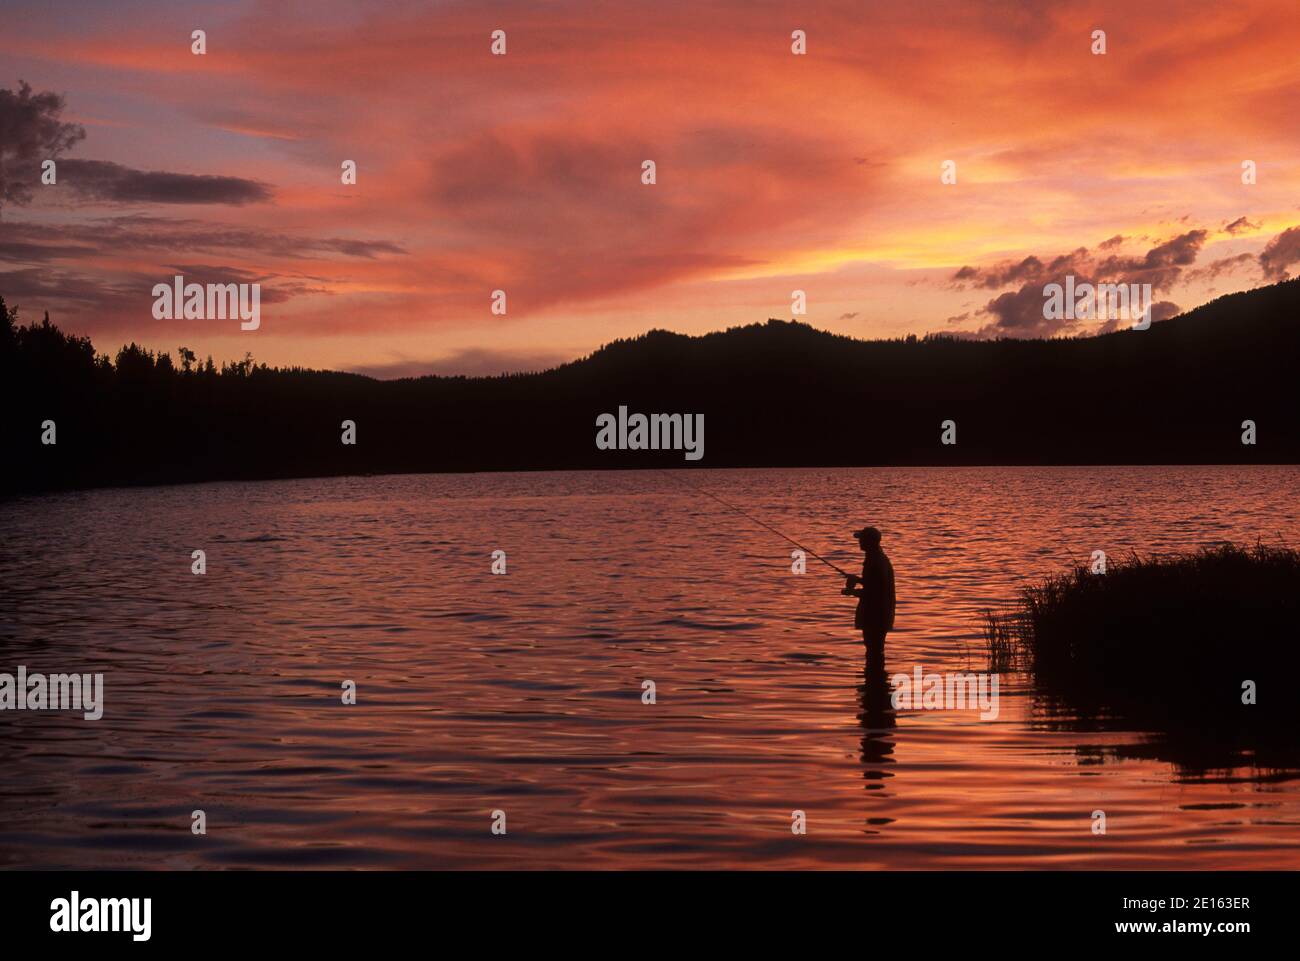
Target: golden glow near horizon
<point>774,171</point>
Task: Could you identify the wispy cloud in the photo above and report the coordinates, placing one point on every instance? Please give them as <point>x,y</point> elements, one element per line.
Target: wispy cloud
<point>107,181</point>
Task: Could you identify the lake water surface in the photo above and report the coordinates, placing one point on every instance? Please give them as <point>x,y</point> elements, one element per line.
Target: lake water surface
<point>523,693</point>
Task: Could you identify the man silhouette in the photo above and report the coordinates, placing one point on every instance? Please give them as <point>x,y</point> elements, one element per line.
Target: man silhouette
<point>874,591</point>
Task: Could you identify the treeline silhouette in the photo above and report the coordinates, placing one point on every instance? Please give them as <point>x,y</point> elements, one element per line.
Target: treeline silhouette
<point>774,394</point>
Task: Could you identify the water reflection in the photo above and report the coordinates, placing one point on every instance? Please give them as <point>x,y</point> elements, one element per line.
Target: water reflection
<point>524,692</point>
<point>1231,749</point>
<point>876,717</point>
<point>879,727</point>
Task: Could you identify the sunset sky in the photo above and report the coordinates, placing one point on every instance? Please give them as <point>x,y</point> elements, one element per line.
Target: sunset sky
<point>522,172</point>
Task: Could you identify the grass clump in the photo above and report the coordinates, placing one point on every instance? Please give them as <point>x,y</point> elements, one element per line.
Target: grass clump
<point>1169,640</point>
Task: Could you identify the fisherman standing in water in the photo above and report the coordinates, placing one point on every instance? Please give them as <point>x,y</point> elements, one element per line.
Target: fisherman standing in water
<point>875,593</point>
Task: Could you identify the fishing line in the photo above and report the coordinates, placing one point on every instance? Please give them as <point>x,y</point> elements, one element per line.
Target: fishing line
<point>701,490</point>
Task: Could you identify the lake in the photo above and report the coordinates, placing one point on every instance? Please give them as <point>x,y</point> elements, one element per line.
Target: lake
<point>522,693</point>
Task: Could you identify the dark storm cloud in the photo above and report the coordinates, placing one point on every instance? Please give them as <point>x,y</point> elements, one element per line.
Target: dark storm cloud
<point>37,287</point>
<point>1001,274</point>
<point>114,183</point>
<point>30,132</point>
<point>60,288</point>
<point>21,252</point>
<point>145,233</point>
<point>1180,251</point>
<point>1224,265</point>
<point>1280,253</point>
<point>58,264</point>
<point>1019,312</point>
<point>1162,310</point>
<point>276,289</point>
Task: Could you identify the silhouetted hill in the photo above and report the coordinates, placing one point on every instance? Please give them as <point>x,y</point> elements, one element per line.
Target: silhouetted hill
<point>774,394</point>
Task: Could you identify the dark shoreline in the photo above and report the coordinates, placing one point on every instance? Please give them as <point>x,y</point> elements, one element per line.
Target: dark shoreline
<point>778,394</point>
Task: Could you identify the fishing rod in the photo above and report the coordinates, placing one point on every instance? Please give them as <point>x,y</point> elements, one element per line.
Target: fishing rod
<point>707,493</point>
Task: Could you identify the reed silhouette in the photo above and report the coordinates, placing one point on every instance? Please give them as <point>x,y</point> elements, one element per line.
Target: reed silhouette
<point>774,394</point>
<point>1196,648</point>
